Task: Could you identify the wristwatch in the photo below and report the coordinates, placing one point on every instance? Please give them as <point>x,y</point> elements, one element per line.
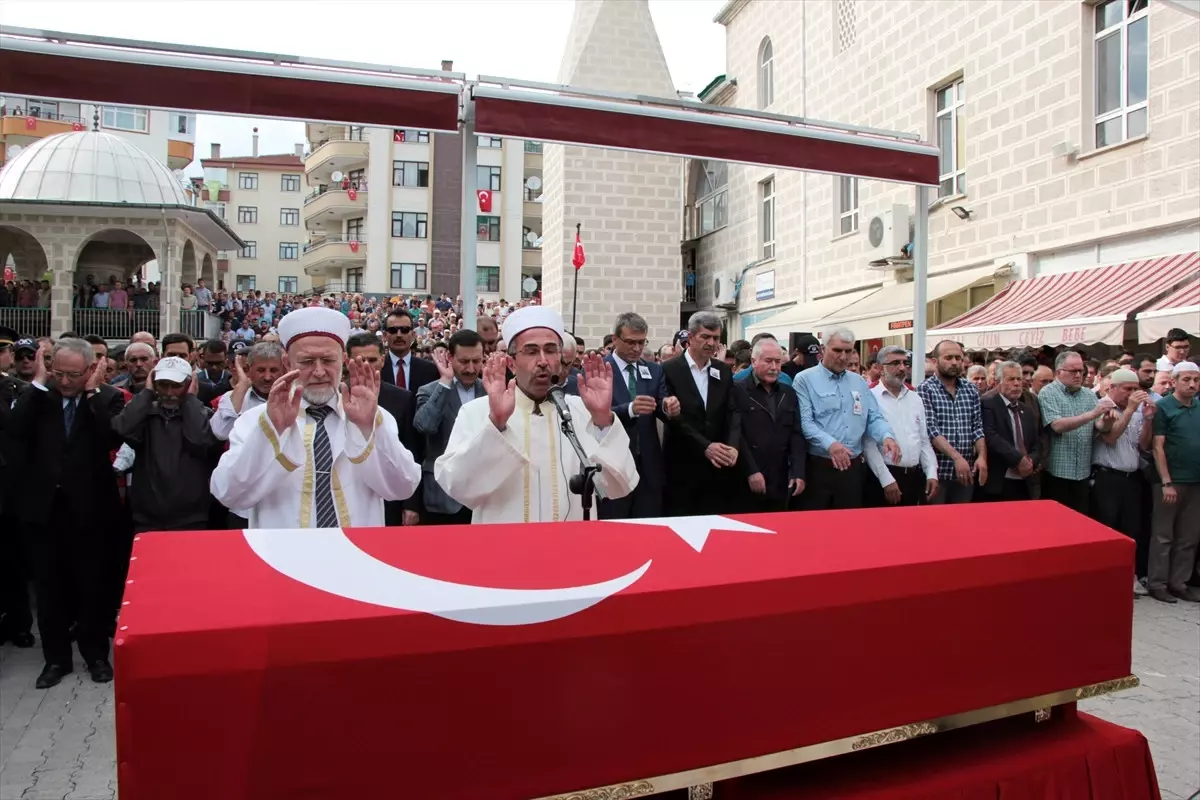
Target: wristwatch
<point>1166,484</point>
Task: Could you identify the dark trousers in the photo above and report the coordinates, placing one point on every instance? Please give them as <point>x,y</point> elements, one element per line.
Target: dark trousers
<point>1014,489</point>
<point>952,492</point>
<point>774,499</point>
<point>72,579</point>
<point>697,489</point>
<point>14,581</point>
<point>644,502</point>
<point>829,488</point>
<point>1117,503</point>
<point>1075,495</point>
<point>460,517</point>
<point>1176,539</point>
<point>909,480</point>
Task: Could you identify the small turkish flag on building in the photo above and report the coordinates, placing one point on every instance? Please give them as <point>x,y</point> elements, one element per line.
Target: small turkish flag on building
<point>77,126</point>
<point>579,259</point>
<point>30,123</point>
<point>354,246</point>
<point>352,193</point>
<point>485,200</point>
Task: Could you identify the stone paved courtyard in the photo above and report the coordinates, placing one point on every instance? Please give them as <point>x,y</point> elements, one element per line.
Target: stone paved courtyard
<point>60,744</point>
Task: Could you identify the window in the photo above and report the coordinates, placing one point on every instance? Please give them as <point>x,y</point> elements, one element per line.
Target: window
<point>846,17</point>
<point>409,224</point>
<point>247,180</point>
<point>491,141</point>
<point>766,219</point>
<point>248,214</point>
<point>409,136</point>
<point>358,133</point>
<point>487,279</point>
<point>216,208</point>
<point>289,284</point>
<point>289,216</point>
<point>126,119</point>
<point>289,251</point>
<point>354,229</point>
<point>847,204</point>
<point>354,280</point>
<point>409,276</point>
<point>245,283</point>
<point>249,251</point>
<point>289,183</point>
<point>487,229</point>
<point>766,73</point>
<point>1120,67</point>
<point>712,209</point>
<point>487,178</point>
<point>951,140</point>
<point>183,123</point>
<point>410,173</point>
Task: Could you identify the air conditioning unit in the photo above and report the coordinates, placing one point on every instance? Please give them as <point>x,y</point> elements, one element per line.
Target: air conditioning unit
<point>887,235</point>
<point>725,289</point>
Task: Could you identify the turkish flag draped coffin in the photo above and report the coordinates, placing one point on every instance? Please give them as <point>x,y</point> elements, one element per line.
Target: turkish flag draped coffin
<point>515,661</point>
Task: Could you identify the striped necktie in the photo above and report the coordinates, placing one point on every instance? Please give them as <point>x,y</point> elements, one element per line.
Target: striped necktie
<point>323,469</point>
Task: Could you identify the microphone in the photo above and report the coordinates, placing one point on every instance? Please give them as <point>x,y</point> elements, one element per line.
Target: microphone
<point>559,398</point>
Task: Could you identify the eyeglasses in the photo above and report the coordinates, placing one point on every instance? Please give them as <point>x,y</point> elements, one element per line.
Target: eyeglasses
<point>633,342</point>
<point>67,376</point>
<point>897,363</point>
<point>550,351</point>
<point>395,329</point>
<point>25,356</point>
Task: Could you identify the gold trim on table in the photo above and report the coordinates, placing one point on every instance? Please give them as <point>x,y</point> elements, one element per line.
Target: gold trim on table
<point>700,779</point>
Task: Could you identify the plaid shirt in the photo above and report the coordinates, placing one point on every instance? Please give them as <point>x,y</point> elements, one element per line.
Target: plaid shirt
<point>1070,452</point>
<point>958,418</point>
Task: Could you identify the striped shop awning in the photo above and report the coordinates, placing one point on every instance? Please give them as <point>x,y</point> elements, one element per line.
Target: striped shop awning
<point>1179,309</point>
<point>1086,306</point>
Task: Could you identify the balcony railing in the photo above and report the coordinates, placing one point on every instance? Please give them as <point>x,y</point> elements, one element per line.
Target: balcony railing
<point>31,322</point>
<point>336,239</point>
<point>36,113</point>
<point>111,323</point>
<point>533,147</point>
<point>344,186</point>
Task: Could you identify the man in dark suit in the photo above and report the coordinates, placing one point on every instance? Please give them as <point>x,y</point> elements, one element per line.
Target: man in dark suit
<point>638,392</point>
<point>438,404</point>
<point>773,450</point>
<point>704,430</point>
<point>61,437</point>
<point>401,404</point>
<point>1010,429</point>
<point>400,367</point>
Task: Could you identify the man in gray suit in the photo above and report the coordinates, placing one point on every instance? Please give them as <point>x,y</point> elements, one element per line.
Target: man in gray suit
<point>438,403</point>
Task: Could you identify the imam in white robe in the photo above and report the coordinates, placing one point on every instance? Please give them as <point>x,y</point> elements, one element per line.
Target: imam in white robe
<point>271,473</point>
<point>521,474</point>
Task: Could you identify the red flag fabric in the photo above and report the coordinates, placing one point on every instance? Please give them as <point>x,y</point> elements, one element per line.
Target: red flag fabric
<point>352,194</point>
<point>30,123</point>
<point>580,258</point>
<point>485,200</point>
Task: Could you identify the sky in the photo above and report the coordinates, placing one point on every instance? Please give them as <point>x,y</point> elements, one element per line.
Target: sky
<point>507,38</point>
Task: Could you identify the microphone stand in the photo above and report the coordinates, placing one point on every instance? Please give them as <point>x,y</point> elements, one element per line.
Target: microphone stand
<point>583,484</point>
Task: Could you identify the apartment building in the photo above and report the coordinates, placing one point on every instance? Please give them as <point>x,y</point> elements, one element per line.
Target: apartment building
<point>168,136</point>
<point>1068,136</point>
<point>384,209</point>
<point>263,199</point>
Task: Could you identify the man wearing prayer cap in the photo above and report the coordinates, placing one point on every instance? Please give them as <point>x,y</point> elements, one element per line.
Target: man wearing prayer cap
<point>507,458</point>
<point>315,455</point>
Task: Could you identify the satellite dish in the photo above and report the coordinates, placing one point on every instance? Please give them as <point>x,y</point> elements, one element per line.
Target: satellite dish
<point>531,237</point>
<point>15,150</point>
<point>533,183</point>
<point>337,176</point>
<point>529,285</point>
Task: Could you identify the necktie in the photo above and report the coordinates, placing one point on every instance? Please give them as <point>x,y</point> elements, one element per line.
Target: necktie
<point>69,414</point>
<point>323,469</point>
<point>1017,432</point>
<point>631,381</point>
<point>400,374</point>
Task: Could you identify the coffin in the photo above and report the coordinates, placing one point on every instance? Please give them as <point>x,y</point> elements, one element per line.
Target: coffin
<point>525,661</point>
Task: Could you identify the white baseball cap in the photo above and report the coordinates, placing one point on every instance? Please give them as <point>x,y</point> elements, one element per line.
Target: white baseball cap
<point>173,369</point>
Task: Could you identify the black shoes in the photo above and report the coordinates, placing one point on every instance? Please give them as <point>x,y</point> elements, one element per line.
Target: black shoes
<point>22,640</point>
<point>1162,596</point>
<point>51,675</point>
<point>101,671</point>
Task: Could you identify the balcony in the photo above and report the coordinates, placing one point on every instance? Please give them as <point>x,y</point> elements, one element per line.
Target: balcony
<point>179,153</point>
<point>533,147</point>
<point>532,209</point>
<point>336,153</point>
<point>332,205</point>
<point>531,257</point>
<point>332,254</point>
<point>39,125</point>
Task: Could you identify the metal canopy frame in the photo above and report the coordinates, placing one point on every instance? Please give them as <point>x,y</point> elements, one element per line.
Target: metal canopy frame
<point>93,69</point>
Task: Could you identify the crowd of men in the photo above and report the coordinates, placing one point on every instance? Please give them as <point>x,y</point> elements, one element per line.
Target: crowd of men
<point>99,445</point>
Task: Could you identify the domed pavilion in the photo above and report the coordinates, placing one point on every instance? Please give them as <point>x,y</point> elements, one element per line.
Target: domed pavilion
<point>90,203</point>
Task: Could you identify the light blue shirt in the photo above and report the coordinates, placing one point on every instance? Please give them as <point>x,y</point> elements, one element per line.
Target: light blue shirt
<point>838,408</point>
<point>784,378</point>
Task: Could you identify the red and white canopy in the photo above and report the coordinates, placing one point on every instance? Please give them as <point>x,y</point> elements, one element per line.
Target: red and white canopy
<point>1083,307</point>
<point>1180,309</point>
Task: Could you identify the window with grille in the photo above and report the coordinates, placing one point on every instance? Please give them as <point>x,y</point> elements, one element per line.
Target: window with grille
<point>289,284</point>
<point>1120,66</point>
<point>410,173</point>
<point>487,229</point>
<point>250,250</point>
<point>289,251</point>
<point>354,229</point>
<point>354,279</point>
<point>289,183</point>
<point>846,20</point>
<point>487,178</point>
<point>487,279</point>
